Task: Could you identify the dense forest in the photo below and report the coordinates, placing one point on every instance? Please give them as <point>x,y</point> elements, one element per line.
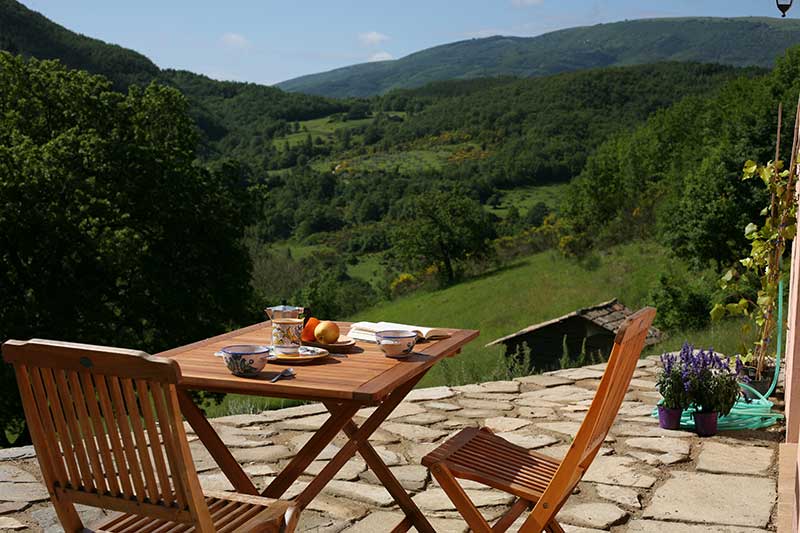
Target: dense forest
<point>541,130</point>
<point>96,189</point>
<point>678,172</point>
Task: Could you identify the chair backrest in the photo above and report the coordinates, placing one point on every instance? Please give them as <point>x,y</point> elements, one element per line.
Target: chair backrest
<point>107,428</point>
<point>613,386</point>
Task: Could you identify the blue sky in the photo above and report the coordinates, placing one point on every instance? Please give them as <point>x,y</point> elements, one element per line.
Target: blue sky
<point>267,41</point>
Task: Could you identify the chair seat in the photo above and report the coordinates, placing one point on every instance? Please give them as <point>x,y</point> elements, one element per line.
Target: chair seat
<point>229,512</point>
<point>480,455</point>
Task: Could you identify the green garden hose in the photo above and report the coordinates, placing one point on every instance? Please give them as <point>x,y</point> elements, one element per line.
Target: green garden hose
<point>757,412</point>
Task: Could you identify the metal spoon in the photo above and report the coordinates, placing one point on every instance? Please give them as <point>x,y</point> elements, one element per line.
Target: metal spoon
<point>285,373</point>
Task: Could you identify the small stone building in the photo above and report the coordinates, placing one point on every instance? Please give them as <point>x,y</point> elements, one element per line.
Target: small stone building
<point>591,330</point>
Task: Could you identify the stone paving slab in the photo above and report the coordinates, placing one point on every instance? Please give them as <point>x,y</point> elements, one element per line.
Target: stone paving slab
<point>655,526</point>
<point>729,459</point>
<point>431,393</point>
<point>623,471</point>
<point>661,444</point>
<point>382,521</point>
<point>715,499</point>
<point>625,496</point>
<point>544,380</point>
<point>13,474</point>
<point>598,515</point>
<point>437,500</point>
<point>644,480</point>
<point>11,524</point>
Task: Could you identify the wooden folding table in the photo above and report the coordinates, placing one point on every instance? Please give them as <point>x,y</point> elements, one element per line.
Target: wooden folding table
<point>343,383</point>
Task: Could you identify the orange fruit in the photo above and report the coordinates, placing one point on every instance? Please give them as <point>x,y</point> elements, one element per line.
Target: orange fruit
<point>308,330</point>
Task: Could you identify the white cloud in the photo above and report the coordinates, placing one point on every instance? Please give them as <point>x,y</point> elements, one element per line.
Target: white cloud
<point>525,3</point>
<point>381,56</point>
<point>372,38</point>
<point>235,40</point>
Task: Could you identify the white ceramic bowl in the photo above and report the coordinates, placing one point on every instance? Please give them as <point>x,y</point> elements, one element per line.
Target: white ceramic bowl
<point>245,360</point>
<point>396,343</point>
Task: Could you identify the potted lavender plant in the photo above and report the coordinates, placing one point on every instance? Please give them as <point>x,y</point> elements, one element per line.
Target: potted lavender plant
<point>671,386</point>
<point>711,386</point>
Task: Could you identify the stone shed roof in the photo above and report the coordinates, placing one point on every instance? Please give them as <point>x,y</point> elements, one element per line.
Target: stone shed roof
<point>609,315</point>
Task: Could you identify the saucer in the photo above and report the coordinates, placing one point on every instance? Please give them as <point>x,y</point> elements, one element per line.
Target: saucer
<point>304,355</point>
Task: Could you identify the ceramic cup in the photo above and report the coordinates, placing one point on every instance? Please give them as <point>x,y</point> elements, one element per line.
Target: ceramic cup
<point>396,343</point>
<point>286,335</point>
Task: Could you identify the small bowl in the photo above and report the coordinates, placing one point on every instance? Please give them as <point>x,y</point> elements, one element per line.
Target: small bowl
<point>245,360</point>
<point>396,343</point>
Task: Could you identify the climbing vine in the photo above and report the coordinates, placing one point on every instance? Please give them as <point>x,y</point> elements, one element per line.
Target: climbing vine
<point>767,246</point>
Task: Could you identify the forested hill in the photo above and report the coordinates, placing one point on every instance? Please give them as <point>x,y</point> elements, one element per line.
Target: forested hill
<point>731,41</point>
<point>540,130</point>
<point>230,114</point>
<point>30,33</point>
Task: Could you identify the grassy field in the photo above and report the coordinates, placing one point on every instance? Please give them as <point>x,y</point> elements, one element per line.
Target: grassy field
<point>298,251</point>
<point>526,197</point>
<point>318,128</point>
<point>534,289</point>
<point>368,267</point>
<point>724,337</point>
<point>324,128</point>
<point>406,162</point>
<point>538,288</point>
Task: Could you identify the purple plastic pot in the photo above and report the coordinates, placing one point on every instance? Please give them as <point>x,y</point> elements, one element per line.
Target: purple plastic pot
<point>705,424</point>
<point>669,418</point>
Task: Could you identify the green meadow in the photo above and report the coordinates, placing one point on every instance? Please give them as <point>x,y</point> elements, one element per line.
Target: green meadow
<point>524,198</point>
<point>534,289</point>
<point>323,128</point>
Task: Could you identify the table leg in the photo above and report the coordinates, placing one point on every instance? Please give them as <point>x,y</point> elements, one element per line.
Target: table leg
<point>205,432</point>
<point>324,435</point>
<point>359,441</point>
<point>413,514</point>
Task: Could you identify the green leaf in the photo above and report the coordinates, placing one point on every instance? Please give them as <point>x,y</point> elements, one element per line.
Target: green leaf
<point>750,168</point>
<point>764,300</point>
<point>750,229</point>
<point>717,312</point>
<point>733,309</point>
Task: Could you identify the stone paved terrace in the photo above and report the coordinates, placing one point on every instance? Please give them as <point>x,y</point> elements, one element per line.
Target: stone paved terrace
<point>646,480</point>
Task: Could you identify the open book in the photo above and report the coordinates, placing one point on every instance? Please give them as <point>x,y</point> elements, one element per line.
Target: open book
<point>365,331</point>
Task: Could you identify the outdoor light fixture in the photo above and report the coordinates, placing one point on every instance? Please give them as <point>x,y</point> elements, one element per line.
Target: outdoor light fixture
<point>784,6</point>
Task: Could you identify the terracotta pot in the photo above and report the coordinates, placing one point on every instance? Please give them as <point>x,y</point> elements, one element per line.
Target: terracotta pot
<point>669,418</point>
<point>705,424</point>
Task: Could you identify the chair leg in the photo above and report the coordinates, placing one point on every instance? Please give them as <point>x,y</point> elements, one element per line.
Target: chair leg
<point>67,515</point>
<point>464,505</point>
<point>508,518</point>
<point>554,527</point>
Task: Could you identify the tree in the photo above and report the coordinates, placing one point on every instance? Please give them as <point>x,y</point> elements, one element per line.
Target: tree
<point>443,229</point>
<point>536,214</point>
<point>111,233</point>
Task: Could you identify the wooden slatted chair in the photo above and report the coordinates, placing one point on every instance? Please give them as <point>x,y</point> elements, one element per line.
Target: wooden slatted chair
<point>108,433</point>
<point>537,480</point>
